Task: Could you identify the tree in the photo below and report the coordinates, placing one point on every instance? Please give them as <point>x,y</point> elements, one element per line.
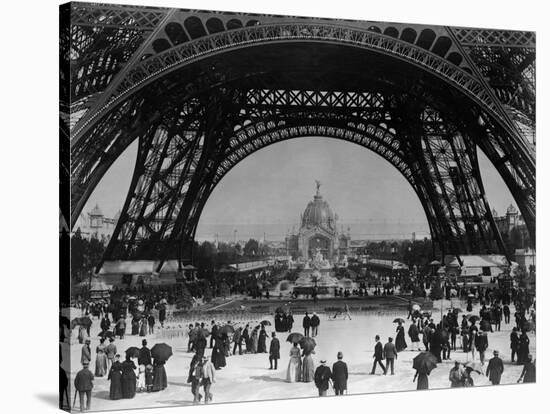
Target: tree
<point>251,247</point>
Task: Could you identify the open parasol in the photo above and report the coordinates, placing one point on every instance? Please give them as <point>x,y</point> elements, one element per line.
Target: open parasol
<point>161,352</point>
<point>424,362</point>
<point>473,318</point>
<point>106,334</point>
<point>265,322</point>
<point>294,337</point>
<point>416,307</point>
<point>308,344</point>
<point>397,320</point>
<point>132,352</point>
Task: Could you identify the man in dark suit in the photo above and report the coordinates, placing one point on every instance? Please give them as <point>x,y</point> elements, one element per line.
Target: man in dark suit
<point>340,375</point>
<point>144,357</point>
<point>322,378</point>
<point>306,323</point>
<point>378,356</point>
<point>274,354</point>
<point>84,383</point>
<point>315,321</point>
<point>390,353</point>
<point>495,369</point>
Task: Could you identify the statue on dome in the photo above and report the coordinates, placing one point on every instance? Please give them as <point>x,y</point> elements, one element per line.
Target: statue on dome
<point>318,184</point>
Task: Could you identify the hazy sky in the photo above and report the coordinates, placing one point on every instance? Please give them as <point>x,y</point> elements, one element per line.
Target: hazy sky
<point>267,191</point>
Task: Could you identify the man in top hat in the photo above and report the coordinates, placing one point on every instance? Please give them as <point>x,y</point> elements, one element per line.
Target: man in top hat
<point>495,369</point>
<point>322,378</point>
<point>84,383</point>
<point>274,351</point>
<point>340,375</point>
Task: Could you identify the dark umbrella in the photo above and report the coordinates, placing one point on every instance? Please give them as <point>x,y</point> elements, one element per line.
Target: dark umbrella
<point>426,314</point>
<point>106,334</point>
<point>227,329</point>
<point>294,337</point>
<point>161,352</point>
<point>456,310</point>
<point>267,323</point>
<point>132,352</point>
<point>441,335</point>
<point>397,320</point>
<point>307,344</point>
<point>473,318</point>
<point>424,362</point>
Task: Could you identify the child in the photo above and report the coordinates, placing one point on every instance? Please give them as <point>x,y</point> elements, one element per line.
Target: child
<point>141,379</point>
<point>149,377</point>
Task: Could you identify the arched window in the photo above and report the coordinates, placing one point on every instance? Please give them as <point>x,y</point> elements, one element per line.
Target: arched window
<point>391,31</point>
<point>234,24</point>
<point>455,58</point>
<point>214,25</point>
<point>175,33</point>
<point>426,38</point>
<point>442,45</point>
<point>194,27</point>
<point>252,23</point>
<point>374,29</point>
<point>408,35</point>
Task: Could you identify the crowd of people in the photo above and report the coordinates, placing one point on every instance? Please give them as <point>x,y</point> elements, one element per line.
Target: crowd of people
<point>466,333</point>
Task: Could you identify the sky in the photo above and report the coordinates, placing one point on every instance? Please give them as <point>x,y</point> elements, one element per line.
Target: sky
<point>267,191</point>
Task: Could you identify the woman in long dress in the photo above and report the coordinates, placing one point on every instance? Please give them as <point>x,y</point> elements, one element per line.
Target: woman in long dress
<point>143,327</point>
<point>294,365</point>
<point>400,343</point>
<point>218,355</point>
<point>135,326</point>
<point>308,368</point>
<point>128,378</point>
<point>82,334</point>
<point>100,359</point>
<point>254,341</point>
<point>115,376</point>
<point>160,380</point>
<point>422,383</point>
<point>261,340</point>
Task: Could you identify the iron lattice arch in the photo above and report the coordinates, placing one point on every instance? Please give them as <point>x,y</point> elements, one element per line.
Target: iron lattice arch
<point>201,91</point>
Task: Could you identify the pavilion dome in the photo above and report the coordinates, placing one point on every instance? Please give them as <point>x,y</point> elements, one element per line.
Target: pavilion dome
<point>96,211</point>
<point>318,213</point>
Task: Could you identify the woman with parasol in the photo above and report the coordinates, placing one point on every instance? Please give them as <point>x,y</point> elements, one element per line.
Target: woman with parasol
<point>423,363</point>
<point>294,365</point>
<point>308,367</point>
<point>400,343</point>
<point>160,353</point>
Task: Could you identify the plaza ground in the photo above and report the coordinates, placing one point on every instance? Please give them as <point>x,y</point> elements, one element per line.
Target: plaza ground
<point>247,377</point>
